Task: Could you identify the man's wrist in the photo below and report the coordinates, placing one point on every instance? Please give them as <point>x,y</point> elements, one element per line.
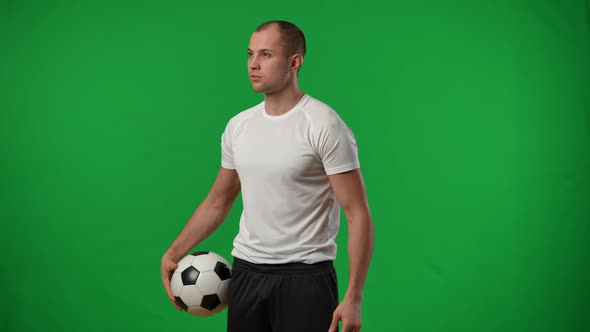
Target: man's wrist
<point>353,297</point>
<point>172,255</point>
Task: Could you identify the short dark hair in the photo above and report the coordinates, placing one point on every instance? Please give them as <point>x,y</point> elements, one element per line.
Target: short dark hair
<point>292,37</point>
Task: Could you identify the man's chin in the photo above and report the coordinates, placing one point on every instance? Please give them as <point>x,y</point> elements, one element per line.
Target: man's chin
<point>258,89</point>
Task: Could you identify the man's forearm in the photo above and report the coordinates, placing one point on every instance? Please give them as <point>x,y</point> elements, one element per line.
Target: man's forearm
<point>360,251</point>
<point>206,218</point>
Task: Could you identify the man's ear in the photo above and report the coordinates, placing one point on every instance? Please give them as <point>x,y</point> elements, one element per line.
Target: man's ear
<point>296,62</point>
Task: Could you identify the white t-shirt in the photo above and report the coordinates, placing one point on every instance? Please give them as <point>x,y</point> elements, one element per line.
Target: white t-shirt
<point>290,212</point>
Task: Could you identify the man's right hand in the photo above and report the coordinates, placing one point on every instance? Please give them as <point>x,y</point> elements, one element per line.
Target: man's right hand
<point>168,268</point>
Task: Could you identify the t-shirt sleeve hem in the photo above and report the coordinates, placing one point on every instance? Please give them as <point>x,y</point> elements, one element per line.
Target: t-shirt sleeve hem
<point>343,168</point>
<point>227,166</point>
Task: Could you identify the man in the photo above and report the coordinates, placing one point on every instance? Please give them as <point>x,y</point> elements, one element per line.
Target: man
<point>296,163</point>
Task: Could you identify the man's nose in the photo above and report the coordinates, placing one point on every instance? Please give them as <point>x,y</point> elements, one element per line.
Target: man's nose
<point>254,62</point>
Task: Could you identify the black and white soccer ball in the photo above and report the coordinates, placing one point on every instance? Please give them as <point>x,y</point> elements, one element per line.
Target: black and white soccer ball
<point>200,283</point>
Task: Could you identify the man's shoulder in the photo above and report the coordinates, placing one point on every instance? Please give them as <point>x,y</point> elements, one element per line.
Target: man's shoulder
<point>320,113</point>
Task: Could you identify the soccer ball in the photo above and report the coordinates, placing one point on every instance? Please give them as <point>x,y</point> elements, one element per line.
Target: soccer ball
<point>200,283</point>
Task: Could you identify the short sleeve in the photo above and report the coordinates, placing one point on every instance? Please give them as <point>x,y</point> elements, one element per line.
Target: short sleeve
<point>337,148</point>
<point>227,155</point>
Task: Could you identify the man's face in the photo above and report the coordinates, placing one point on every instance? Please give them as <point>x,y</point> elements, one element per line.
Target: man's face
<point>267,61</point>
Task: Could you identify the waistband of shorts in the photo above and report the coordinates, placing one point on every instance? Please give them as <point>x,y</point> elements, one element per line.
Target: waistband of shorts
<point>284,268</point>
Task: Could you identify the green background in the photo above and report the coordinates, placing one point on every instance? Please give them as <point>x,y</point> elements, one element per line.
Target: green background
<point>472,120</point>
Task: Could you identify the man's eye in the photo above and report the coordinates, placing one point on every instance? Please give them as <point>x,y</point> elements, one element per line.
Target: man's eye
<point>266,54</point>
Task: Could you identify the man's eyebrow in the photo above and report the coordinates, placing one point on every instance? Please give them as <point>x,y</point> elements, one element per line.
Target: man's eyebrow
<point>262,50</point>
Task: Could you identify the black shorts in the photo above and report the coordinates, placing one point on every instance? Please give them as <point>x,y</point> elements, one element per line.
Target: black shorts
<point>293,297</point>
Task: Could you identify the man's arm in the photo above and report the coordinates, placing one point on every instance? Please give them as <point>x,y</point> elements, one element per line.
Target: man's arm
<point>208,215</point>
<point>206,218</point>
<point>350,192</point>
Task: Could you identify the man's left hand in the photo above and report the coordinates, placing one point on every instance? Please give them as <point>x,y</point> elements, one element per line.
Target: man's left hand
<point>350,315</point>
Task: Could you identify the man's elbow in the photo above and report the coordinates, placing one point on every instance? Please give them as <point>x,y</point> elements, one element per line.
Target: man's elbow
<point>358,215</point>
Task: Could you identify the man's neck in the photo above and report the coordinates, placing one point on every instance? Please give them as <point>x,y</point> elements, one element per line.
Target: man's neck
<point>282,102</point>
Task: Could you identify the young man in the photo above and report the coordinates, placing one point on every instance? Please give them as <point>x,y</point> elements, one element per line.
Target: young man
<point>296,163</point>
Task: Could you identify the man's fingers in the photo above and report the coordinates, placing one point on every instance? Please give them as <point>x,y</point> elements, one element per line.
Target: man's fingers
<point>177,306</point>
<point>168,268</point>
<point>334,324</point>
<point>166,282</point>
<point>347,327</point>
<point>350,326</point>
<point>170,295</point>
